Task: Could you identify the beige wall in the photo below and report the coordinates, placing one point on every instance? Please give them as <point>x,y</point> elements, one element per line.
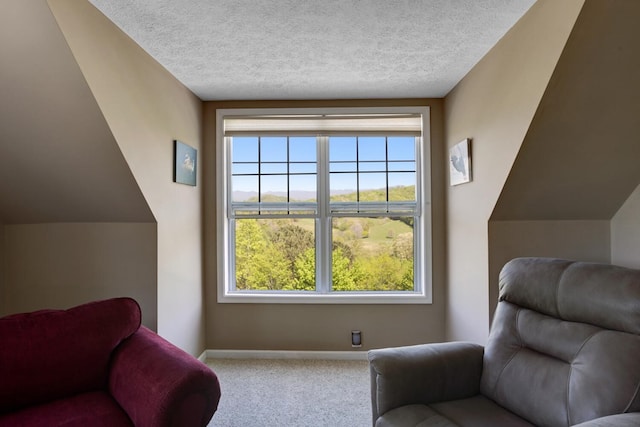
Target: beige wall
<point>578,240</point>
<point>322,327</point>
<point>625,233</point>
<point>146,108</point>
<point>66,264</point>
<point>494,105</point>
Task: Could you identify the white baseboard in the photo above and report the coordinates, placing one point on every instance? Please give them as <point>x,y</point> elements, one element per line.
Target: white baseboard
<point>282,354</point>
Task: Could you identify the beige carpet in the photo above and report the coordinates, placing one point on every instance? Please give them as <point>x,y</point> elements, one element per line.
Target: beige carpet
<point>292,393</point>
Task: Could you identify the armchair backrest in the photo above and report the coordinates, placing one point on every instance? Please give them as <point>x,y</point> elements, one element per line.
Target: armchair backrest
<point>52,354</point>
<point>564,345</point>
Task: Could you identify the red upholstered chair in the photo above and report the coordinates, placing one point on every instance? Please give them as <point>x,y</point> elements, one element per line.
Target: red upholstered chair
<point>94,365</point>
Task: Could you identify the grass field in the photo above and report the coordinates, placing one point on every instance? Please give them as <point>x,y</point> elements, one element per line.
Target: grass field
<point>371,234</point>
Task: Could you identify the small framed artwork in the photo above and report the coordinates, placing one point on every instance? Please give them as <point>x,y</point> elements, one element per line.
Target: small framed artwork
<point>185,163</point>
<point>460,162</point>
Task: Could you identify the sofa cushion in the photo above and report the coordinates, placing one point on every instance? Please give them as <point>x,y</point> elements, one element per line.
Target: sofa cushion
<point>52,354</point>
<point>95,409</point>
<point>413,415</point>
<point>477,411</point>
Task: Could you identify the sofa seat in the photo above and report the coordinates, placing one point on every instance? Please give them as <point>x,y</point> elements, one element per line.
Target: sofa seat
<point>477,411</point>
<point>96,409</point>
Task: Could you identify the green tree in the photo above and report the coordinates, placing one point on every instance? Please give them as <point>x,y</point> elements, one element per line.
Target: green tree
<point>305,271</point>
<point>345,274</point>
<point>385,272</point>
<point>249,241</point>
<point>407,283</point>
<point>345,250</point>
<point>402,246</point>
<point>259,263</point>
<point>291,240</point>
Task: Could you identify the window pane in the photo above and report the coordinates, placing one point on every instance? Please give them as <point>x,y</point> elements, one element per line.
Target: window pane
<point>275,254</point>
<point>302,188</point>
<point>267,168</point>
<point>342,148</point>
<point>245,149</point>
<point>302,149</point>
<point>343,167</point>
<point>372,254</point>
<point>402,166</point>
<point>373,166</point>
<point>343,187</point>
<point>402,148</point>
<point>383,163</point>
<point>372,181</point>
<point>273,188</point>
<point>273,149</point>
<point>244,188</point>
<point>295,168</point>
<point>244,169</point>
<point>402,187</point>
<point>372,148</point>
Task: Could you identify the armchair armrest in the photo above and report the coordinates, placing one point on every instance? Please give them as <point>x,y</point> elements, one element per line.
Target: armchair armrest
<point>425,373</point>
<point>159,385</point>
<point>630,419</point>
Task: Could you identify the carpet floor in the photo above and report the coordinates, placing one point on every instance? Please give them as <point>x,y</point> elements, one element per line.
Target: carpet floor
<point>292,393</point>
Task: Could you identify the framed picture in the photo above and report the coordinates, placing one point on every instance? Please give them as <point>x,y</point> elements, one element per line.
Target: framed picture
<point>185,163</point>
<point>460,162</point>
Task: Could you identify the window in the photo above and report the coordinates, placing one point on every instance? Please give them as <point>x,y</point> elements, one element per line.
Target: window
<point>323,206</point>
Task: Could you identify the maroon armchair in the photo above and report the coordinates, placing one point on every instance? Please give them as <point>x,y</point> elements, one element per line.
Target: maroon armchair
<point>94,365</point>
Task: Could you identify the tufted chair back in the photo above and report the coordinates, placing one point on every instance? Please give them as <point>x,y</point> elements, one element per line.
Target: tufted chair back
<point>565,341</point>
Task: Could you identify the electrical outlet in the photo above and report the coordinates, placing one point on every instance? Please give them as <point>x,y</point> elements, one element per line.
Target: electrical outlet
<point>356,339</point>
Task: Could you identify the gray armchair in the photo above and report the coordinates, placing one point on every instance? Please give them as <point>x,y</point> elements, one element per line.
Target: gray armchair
<point>564,350</point>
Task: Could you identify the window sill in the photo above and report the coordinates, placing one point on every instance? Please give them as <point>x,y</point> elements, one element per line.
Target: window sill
<point>334,298</point>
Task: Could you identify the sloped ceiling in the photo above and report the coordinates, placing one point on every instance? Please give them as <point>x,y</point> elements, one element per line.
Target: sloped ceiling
<point>580,159</point>
<point>58,159</point>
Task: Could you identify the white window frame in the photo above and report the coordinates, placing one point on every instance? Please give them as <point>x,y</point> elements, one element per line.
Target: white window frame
<point>423,254</point>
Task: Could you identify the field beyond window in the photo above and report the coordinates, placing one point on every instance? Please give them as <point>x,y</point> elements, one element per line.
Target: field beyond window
<point>368,254</point>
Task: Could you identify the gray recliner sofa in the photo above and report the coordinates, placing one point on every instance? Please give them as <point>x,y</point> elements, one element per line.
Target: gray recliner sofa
<point>563,350</point>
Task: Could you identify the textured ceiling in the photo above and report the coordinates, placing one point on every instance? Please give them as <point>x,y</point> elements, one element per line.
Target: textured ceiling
<point>316,49</point>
